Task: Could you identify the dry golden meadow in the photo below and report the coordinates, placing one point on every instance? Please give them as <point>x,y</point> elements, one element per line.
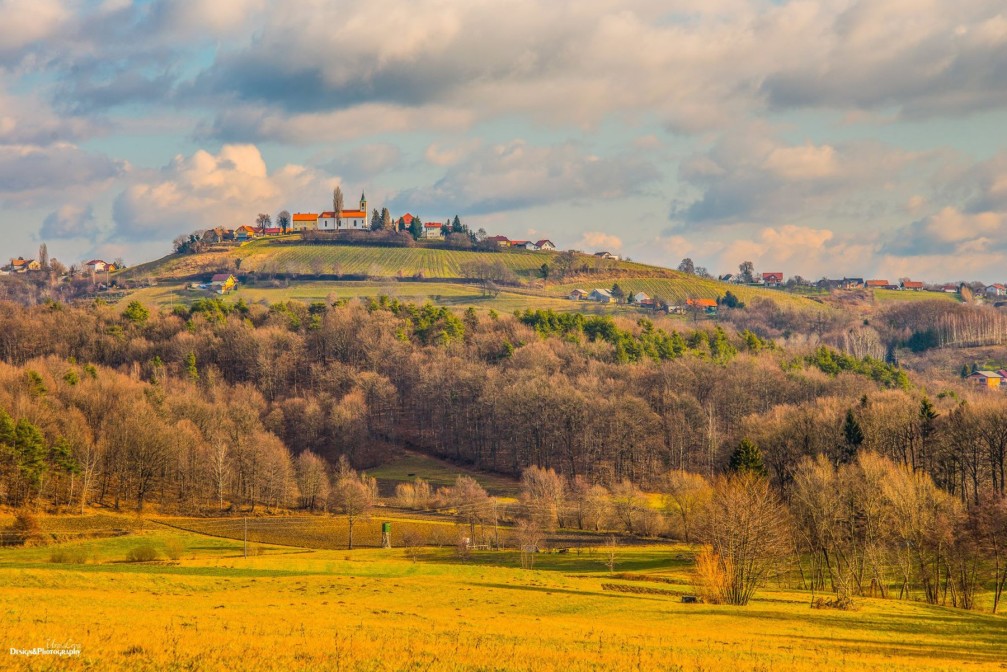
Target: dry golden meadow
<point>287,608</point>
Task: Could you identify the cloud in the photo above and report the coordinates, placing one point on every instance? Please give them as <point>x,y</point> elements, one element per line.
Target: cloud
<point>27,22</point>
<point>598,240</point>
<point>205,190</point>
<point>33,174</point>
<point>366,161</point>
<point>70,221</point>
<point>518,175</point>
<point>749,176</point>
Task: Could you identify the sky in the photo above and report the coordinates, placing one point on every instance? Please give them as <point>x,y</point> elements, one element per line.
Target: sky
<point>818,138</point>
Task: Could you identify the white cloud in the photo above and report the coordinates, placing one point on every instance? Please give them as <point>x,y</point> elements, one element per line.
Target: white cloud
<point>204,190</point>
<point>598,240</point>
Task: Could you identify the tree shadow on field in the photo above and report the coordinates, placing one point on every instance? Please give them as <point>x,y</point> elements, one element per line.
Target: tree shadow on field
<point>562,591</point>
<point>567,563</point>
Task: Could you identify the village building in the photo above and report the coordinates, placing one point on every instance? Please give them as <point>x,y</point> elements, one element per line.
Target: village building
<point>772,279</point>
<point>640,297</point>
<point>96,266</point>
<point>304,221</point>
<point>995,289</point>
<point>222,283</point>
<point>545,245</point>
<point>578,295</point>
<point>433,230</point>
<point>605,255</point>
<point>244,233</point>
<point>502,241</point>
<point>345,220</point>
<point>601,296</point>
<point>852,283</point>
<point>990,380</point>
<point>911,285</point>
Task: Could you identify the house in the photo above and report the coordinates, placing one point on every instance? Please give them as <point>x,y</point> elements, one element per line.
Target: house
<point>304,221</point>
<point>222,283</point>
<point>605,255</point>
<point>272,231</point>
<point>243,233</point>
<point>502,241</point>
<point>702,303</point>
<point>545,245</point>
<point>433,230</point>
<point>577,295</point>
<point>852,283</point>
<point>217,234</point>
<point>876,284</point>
<point>640,297</point>
<point>22,265</point>
<point>990,380</point>
<point>601,296</point>
<point>772,279</point>
<point>912,285</point>
<point>727,277</point>
<point>95,266</point>
<point>524,244</point>
<point>996,289</point>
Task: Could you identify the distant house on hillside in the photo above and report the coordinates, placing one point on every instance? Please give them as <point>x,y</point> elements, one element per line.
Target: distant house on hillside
<point>577,295</point>
<point>772,279</point>
<point>701,303</point>
<point>605,255</point>
<point>96,266</point>
<point>986,379</point>
<point>995,289</point>
<point>545,245</point>
<point>852,283</point>
<point>524,244</point>
<point>640,297</point>
<point>304,221</point>
<point>502,241</point>
<point>433,230</point>
<point>222,283</point>
<point>912,285</point>
<point>345,220</point>
<point>876,284</point>
<point>601,296</point>
<point>243,233</point>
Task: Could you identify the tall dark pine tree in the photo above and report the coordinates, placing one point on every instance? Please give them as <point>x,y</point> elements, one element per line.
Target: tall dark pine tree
<point>747,459</point>
<point>376,224</point>
<point>853,436</point>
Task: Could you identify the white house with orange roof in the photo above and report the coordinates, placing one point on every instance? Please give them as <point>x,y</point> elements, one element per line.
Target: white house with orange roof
<point>347,220</point>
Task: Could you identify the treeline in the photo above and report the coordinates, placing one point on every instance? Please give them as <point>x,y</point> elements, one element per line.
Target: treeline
<point>607,399</point>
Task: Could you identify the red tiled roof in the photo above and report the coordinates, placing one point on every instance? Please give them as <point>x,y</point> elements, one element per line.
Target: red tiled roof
<point>407,218</point>
<point>877,283</point>
<point>352,214</point>
<point>912,284</point>
<point>328,215</point>
<point>542,242</point>
<point>433,225</point>
<point>702,303</point>
<point>305,216</point>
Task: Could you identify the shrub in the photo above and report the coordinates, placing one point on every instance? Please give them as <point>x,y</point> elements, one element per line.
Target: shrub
<point>142,553</point>
<point>68,556</point>
<point>26,529</point>
<point>711,576</point>
<point>174,548</point>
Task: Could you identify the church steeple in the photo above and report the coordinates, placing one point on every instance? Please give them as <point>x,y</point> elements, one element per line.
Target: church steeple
<point>363,202</point>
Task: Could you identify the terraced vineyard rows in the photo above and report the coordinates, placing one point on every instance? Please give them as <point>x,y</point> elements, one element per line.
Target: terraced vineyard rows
<point>380,261</point>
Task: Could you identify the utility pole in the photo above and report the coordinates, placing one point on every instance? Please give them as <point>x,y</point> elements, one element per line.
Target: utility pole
<point>246,536</point>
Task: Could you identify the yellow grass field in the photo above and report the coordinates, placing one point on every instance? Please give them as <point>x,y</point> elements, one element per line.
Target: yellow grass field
<point>285,608</point>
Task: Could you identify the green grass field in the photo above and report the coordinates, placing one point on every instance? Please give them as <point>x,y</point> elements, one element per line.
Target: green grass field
<point>285,608</point>
<point>894,295</point>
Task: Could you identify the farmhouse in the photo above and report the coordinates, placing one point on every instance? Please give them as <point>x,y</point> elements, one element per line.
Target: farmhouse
<point>640,297</point>
<point>876,284</point>
<point>852,283</point>
<point>243,233</point>
<point>986,379</point>
<point>912,285</point>
<point>222,283</point>
<point>524,244</point>
<point>601,296</point>
<point>772,279</point>
<point>577,295</point>
<point>996,289</point>
<point>502,241</point>
<point>95,266</point>
<point>545,245</point>
<point>605,255</point>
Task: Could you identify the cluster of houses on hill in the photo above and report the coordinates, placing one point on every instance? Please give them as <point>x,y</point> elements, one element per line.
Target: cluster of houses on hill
<point>22,265</point>
<point>776,279</point>
<point>504,241</point>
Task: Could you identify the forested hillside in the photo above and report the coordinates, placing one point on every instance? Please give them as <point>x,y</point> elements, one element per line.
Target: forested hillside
<point>609,399</point>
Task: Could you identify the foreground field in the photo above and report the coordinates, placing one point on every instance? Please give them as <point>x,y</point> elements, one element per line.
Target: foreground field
<point>289,609</point>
